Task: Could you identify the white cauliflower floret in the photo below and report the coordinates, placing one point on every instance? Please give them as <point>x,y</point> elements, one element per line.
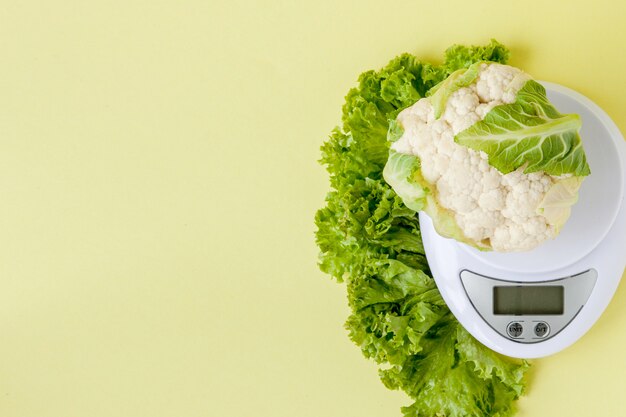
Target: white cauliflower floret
<point>490,207</point>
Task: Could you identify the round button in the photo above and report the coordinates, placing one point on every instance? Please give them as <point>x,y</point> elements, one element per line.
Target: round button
<point>515,329</point>
<point>542,329</point>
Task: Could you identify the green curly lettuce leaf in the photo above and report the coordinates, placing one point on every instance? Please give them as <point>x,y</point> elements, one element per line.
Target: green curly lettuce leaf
<point>370,239</point>
<point>529,132</point>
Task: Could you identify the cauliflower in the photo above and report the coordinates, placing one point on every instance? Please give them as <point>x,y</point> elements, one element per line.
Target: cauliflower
<point>484,206</point>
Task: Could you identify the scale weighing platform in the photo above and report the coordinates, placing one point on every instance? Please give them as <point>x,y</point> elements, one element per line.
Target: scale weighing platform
<point>536,303</point>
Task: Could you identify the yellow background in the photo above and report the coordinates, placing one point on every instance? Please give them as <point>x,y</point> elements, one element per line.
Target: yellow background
<point>158,182</point>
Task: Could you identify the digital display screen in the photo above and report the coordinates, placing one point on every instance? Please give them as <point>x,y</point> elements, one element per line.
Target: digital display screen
<point>528,300</point>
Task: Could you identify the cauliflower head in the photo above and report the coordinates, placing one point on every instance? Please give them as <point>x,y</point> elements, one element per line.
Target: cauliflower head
<point>489,159</point>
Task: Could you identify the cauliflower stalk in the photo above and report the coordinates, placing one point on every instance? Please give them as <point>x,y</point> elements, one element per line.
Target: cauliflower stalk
<point>488,158</point>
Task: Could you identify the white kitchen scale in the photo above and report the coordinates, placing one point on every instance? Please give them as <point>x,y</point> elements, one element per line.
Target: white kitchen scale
<point>536,303</point>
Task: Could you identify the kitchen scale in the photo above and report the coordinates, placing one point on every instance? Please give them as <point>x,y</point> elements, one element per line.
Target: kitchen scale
<point>536,303</point>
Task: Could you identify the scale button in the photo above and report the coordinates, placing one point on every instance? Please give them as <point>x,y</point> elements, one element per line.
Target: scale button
<point>542,329</point>
<point>515,329</point>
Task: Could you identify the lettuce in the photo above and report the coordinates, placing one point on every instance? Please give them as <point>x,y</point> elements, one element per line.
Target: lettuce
<point>529,132</point>
<point>370,239</point>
